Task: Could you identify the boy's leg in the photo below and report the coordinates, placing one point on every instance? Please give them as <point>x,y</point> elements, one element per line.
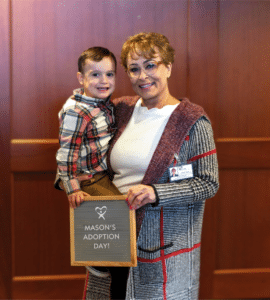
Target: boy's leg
<point>119,277</point>
<point>116,282</point>
<point>97,284</point>
<point>106,283</point>
<point>99,185</point>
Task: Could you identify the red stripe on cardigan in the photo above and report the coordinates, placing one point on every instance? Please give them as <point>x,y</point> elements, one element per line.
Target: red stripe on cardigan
<point>85,286</point>
<point>164,271</point>
<point>140,259</point>
<point>202,155</point>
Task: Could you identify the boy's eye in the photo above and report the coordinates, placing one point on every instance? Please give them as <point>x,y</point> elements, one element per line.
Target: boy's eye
<point>110,74</point>
<point>95,74</point>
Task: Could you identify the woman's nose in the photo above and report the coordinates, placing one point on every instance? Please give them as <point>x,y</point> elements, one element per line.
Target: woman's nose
<point>143,74</point>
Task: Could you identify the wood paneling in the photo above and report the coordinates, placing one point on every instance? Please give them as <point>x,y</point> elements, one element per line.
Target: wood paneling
<point>243,219</point>
<point>203,56</point>
<point>49,287</point>
<point>242,236</point>
<point>44,65</point>
<point>39,155</point>
<point>46,47</point>
<point>243,153</point>
<point>244,69</point>
<point>242,283</point>
<point>202,83</point>
<point>5,207</point>
<point>33,155</point>
<point>40,227</point>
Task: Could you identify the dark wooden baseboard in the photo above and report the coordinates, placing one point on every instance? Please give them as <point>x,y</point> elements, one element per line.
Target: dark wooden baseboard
<point>48,287</point>
<point>242,283</point>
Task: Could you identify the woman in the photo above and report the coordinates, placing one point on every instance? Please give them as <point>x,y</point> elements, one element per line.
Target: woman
<point>158,133</point>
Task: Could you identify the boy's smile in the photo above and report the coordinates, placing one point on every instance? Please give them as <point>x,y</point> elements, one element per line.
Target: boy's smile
<point>98,78</point>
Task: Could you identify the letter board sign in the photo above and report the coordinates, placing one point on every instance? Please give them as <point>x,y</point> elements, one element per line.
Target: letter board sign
<point>103,233</point>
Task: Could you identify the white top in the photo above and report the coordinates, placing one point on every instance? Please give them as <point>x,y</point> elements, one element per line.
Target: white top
<point>134,149</point>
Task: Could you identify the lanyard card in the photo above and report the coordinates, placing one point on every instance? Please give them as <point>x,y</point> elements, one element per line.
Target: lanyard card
<point>181,172</point>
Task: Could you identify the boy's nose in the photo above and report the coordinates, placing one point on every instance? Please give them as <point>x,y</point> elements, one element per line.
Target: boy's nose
<point>104,78</point>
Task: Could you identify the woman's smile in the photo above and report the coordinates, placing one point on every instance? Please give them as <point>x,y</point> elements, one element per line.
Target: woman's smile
<point>146,86</point>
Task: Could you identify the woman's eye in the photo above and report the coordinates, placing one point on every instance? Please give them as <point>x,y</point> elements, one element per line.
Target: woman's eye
<point>150,66</point>
<point>134,70</point>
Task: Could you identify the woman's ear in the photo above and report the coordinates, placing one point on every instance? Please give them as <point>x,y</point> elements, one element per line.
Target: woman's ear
<point>80,78</point>
<point>169,70</point>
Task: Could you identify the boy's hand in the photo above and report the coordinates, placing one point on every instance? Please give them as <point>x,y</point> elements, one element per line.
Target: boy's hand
<point>75,199</point>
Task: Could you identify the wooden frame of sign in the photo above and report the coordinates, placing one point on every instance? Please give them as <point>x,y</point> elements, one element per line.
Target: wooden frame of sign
<point>103,233</point>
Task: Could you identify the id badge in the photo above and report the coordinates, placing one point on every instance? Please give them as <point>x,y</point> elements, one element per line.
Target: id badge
<point>181,172</point>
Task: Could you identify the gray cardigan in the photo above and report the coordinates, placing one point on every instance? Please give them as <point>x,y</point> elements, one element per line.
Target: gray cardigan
<point>169,234</point>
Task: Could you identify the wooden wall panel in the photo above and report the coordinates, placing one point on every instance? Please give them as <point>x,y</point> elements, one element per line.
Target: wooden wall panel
<point>202,85</point>
<point>203,56</point>
<point>5,207</point>
<point>40,227</point>
<point>46,47</point>
<point>242,283</point>
<point>244,69</point>
<point>48,287</point>
<point>33,155</point>
<point>242,222</point>
<point>243,219</point>
<point>43,68</point>
<point>243,153</point>
<point>232,153</point>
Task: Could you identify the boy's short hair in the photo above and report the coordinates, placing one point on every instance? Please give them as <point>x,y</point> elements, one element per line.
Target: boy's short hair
<point>145,44</point>
<point>95,54</point>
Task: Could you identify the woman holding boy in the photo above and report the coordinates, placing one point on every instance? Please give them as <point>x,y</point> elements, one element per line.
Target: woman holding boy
<point>155,133</point>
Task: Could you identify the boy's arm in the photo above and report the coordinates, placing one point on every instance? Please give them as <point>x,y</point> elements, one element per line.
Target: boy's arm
<point>75,199</point>
<point>73,124</point>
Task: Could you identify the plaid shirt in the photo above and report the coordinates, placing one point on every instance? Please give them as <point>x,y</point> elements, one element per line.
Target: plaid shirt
<point>86,127</point>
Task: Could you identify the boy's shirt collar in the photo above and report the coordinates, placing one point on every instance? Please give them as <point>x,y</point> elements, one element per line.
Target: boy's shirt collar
<point>78,95</point>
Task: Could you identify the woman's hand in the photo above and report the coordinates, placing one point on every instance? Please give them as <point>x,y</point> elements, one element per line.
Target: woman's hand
<point>140,195</point>
<point>76,199</point>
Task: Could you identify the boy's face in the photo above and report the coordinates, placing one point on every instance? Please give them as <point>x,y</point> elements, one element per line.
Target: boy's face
<point>98,78</point>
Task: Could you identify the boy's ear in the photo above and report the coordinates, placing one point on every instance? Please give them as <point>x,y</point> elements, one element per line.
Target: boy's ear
<point>80,77</point>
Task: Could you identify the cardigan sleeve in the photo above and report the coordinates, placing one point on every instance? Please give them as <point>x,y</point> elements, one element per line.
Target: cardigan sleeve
<point>199,149</point>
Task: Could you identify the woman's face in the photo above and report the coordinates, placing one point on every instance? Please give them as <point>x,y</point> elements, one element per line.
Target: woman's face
<point>149,77</point>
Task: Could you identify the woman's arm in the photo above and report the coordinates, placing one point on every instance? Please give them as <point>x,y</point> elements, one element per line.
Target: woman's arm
<point>201,153</point>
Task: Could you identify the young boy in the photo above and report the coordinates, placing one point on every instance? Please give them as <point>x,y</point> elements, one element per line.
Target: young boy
<point>86,127</point>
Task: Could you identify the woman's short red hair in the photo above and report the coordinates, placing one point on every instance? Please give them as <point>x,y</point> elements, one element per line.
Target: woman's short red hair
<point>146,44</point>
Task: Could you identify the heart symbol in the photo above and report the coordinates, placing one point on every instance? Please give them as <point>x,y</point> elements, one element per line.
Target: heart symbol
<point>101,211</point>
